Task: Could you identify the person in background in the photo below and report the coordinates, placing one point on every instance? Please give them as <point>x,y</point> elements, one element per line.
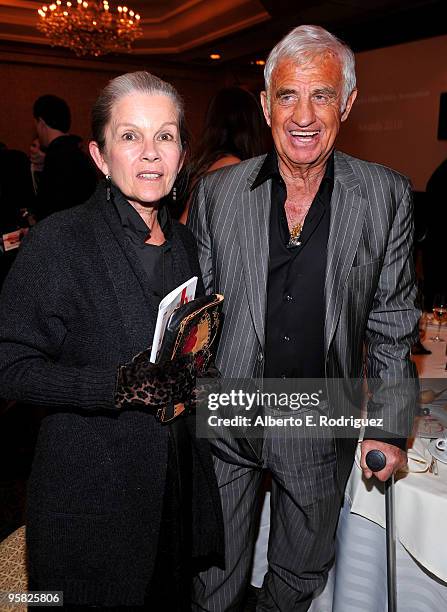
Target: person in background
<point>68,176</point>
<point>435,217</point>
<point>16,204</point>
<point>119,505</point>
<point>312,249</point>
<point>37,158</point>
<point>234,130</point>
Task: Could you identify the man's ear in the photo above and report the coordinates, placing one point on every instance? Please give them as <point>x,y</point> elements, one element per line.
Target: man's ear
<point>265,107</point>
<point>98,157</point>
<point>349,104</point>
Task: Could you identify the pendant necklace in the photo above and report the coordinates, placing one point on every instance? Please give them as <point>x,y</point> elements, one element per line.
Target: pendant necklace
<point>294,231</point>
<point>295,235</point>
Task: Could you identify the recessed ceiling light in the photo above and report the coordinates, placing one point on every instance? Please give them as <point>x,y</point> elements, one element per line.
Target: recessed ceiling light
<point>214,56</point>
<point>260,63</point>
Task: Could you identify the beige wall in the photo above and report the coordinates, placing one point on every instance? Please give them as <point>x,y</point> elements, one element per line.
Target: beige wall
<point>24,78</point>
<point>395,118</point>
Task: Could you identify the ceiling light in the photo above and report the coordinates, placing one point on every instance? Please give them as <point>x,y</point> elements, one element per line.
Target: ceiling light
<point>89,28</point>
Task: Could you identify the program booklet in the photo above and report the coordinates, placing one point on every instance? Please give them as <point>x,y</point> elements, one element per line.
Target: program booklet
<point>180,295</point>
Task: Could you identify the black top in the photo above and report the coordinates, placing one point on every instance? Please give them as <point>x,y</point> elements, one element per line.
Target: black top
<point>16,198</point>
<point>16,189</point>
<point>156,260</point>
<point>435,218</point>
<point>294,342</point>
<point>68,177</point>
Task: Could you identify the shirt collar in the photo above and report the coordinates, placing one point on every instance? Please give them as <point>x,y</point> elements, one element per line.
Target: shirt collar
<point>270,170</point>
<point>132,221</point>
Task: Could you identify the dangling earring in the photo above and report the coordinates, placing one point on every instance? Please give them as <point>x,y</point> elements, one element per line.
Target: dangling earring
<point>174,193</point>
<point>108,183</point>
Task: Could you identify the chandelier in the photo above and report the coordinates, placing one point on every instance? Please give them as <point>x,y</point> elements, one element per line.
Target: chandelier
<point>89,28</point>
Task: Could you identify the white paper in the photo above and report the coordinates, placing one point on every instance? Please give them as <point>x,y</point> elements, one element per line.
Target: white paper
<point>181,295</point>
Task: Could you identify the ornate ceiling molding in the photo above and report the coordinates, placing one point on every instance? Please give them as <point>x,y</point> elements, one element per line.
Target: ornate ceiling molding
<point>172,28</point>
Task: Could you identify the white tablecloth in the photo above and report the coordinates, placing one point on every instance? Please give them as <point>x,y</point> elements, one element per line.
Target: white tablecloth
<point>433,366</point>
<point>357,582</point>
<point>420,503</point>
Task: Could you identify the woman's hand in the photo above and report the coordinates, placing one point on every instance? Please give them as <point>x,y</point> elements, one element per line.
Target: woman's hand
<point>164,388</point>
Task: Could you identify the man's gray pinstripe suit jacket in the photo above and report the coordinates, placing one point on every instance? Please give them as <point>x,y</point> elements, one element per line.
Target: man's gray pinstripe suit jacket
<point>369,284</point>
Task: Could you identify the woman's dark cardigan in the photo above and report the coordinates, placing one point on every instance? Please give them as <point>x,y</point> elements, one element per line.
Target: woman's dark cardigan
<point>76,305</point>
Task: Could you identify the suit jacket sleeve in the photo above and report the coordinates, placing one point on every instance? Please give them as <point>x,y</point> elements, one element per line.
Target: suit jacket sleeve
<point>197,222</point>
<point>190,245</point>
<point>391,331</point>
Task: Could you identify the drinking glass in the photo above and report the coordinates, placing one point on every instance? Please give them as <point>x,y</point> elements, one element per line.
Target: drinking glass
<point>439,313</point>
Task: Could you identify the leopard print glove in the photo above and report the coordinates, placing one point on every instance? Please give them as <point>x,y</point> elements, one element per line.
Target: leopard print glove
<point>208,382</point>
<point>157,386</point>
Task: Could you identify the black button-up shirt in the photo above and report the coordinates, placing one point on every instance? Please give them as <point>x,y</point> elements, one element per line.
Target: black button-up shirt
<point>294,337</point>
<point>155,259</point>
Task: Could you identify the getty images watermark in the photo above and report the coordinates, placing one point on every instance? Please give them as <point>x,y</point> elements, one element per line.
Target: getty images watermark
<point>293,402</point>
<point>298,407</point>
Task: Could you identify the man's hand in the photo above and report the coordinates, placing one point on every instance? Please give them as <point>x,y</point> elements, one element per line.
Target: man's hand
<point>396,459</point>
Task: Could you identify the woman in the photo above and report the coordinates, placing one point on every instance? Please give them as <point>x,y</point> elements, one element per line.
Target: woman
<point>234,130</point>
<point>109,503</point>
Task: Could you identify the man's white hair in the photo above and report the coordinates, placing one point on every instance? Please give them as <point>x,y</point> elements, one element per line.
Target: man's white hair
<point>303,44</point>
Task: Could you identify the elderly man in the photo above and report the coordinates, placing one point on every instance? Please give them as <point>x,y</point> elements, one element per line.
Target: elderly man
<point>312,250</point>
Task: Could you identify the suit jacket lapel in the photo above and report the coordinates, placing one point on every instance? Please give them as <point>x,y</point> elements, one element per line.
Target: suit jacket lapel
<point>347,215</point>
<point>253,228</point>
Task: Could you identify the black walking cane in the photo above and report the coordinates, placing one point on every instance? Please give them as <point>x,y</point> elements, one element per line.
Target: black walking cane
<point>376,461</point>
